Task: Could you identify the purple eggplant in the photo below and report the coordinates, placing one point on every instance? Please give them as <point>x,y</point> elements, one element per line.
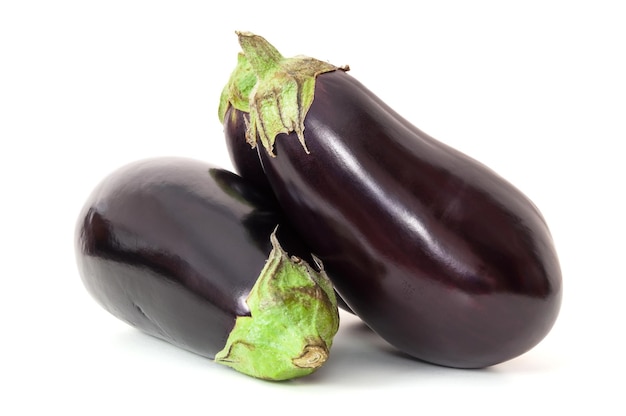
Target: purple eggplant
<point>190,254</point>
<point>437,253</point>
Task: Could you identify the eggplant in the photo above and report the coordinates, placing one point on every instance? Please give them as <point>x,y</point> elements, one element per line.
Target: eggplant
<point>190,253</point>
<point>437,253</point>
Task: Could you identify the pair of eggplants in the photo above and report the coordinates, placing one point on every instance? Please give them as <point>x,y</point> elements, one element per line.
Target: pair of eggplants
<point>435,252</point>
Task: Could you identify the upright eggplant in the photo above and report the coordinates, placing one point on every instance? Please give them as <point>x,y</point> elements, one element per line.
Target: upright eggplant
<point>190,254</point>
<point>437,253</point>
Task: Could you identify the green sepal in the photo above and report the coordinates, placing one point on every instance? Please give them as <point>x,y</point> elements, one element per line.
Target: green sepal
<point>237,91</point>
<point>283,93</point>
<point>293,320</point>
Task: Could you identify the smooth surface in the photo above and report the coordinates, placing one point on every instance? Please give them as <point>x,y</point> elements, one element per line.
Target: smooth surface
<point>243,158</point>
<point>88,87</point>
<point>437,253</point>
<point>173,247</point>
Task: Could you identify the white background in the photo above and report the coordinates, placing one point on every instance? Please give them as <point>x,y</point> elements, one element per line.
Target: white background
<point>534,89</point>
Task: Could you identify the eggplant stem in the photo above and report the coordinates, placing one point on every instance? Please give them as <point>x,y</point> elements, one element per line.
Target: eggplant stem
<point>282,95</point>
<point>293,319</point>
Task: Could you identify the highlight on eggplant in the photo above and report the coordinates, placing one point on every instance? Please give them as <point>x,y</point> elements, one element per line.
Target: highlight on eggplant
<point>190,253</point>
<point>437,253</point>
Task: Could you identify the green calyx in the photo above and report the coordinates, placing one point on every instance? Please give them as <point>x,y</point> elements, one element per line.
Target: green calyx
<point>293,321</point>
<point>238,88</point>
<point>281,95</point>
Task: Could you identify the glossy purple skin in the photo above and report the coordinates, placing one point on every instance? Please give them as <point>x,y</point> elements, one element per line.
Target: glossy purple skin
<point>438,254</point>
<point>173,246</point>
<point>248,165</point>
<point>243,157</point>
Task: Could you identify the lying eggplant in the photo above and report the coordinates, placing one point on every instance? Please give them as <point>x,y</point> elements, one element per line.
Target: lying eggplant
<point>438,254</point>
<point>190,254</point>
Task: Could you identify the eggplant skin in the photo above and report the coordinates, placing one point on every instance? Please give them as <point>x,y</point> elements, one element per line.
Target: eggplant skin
<point>173,247</point>
<point>243,157</point>
<point>434,251</point>
<point>247,164</point>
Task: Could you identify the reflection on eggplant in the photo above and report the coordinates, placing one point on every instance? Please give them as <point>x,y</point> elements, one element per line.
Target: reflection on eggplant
<point>465,271</point>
